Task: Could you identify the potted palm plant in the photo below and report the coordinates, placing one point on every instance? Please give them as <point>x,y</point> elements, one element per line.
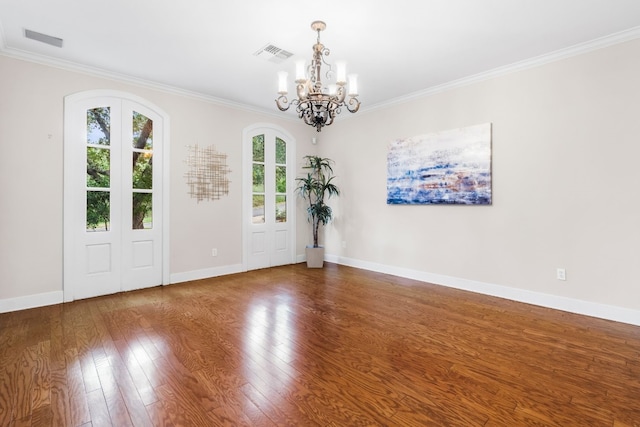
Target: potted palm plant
<point>314,188</point>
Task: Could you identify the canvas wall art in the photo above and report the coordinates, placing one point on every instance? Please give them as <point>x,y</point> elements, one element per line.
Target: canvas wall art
<point>449,167</point>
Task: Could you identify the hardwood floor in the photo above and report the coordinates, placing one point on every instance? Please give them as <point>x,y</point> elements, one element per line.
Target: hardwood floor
<point>305,347</point>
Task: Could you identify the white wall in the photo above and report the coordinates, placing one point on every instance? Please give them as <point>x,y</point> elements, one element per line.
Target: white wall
<point>31,179</point>
<point>566,144</point>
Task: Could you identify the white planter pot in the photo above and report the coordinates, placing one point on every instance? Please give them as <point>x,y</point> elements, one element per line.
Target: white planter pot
<point>315,257</point>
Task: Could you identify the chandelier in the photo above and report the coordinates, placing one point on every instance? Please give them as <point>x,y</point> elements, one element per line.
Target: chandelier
<point>316,104</point>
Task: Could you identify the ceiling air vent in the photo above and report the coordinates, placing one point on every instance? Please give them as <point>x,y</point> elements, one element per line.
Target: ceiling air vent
<point>33,35</point>
<point>272,53</point>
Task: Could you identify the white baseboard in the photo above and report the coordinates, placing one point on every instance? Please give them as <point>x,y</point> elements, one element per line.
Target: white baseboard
<point>188,276</point>
<point>57,297</point>
<point>31,301</point>
<point>587,308</point>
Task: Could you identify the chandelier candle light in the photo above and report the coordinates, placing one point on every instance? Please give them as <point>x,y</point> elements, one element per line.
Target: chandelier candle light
<point>318,105</point>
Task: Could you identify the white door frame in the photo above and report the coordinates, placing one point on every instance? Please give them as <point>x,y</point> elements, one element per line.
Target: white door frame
<point>247,181</point>
<point>70,133</point>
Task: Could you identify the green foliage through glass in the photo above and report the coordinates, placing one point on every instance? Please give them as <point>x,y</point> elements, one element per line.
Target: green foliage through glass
<point>142,131</point>
<point>99,126</point>
<point>281,152</point>
<point>98,164</point>
<point>98,210</point>
<point>142,211</point>
<point>258,209</point>
<point>143,171</point>
<point>258,148</point>
<point>98,167</point>
<point>258,178</point>
<point>281,179</point>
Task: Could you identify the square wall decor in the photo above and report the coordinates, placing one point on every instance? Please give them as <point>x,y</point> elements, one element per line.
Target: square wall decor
<point>448,167</point>
<point>208,174</point>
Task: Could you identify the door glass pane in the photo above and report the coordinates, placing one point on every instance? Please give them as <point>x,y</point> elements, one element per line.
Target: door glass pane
<point>143,170</point>
<point>258,209</point>
<point>281,208</point>
<point>258,148</point>
<point>281,151</point>
<point>142,174</point>
<point>281,179</point>
<point>142,211</point>
<point>98,210</point>
<point>142,132</point>
<point>99,126</point>
<point>258,178</point>
<point>98,167</point>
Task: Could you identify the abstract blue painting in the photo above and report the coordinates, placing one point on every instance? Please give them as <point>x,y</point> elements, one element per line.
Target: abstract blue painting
<point>448,167</point>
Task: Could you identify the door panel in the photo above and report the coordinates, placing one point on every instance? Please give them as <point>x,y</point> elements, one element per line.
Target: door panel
<point>98,258</point>
<point>142,185</point>
<point>259,257</point>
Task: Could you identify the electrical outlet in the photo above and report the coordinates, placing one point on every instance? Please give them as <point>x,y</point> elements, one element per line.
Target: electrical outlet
<point>561,274</point>
<point>214,252</point>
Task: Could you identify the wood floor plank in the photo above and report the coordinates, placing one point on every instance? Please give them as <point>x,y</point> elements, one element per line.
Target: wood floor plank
<point>98,408</point>
<point>76,391</point>
<point>41,388</point>
<point>159,415</point>
<point>182,412</point>
<point>182,383</point>
<point>134,379</point>
<point>291,346</point>
<point>61,400</point>
<point>118,413</point>
<point>89,372</point>
<point>229,401</point>
<point>121,374</point>
<point>43,416</point>
<point>278,415</point>
<point>57,343</point>
<point>271,390</point>
<point>9,393</point>
<point>25,377</point>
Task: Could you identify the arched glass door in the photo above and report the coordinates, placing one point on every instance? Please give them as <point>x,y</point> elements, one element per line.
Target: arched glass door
<point>269,206</point>
<point>113,195</point>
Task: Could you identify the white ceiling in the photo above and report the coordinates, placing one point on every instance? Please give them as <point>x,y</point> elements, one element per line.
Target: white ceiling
<point>398,48</point>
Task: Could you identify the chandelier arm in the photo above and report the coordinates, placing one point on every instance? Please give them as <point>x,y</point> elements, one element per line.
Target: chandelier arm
<point>329,120</point>
<point>283,103</point>
<point>304,111</point>
<point>353,101</point>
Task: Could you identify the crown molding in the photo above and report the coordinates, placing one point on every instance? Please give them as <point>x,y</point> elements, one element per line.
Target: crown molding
<point>123,78</point>
<point>575,50</point>
<point>558,55</point>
